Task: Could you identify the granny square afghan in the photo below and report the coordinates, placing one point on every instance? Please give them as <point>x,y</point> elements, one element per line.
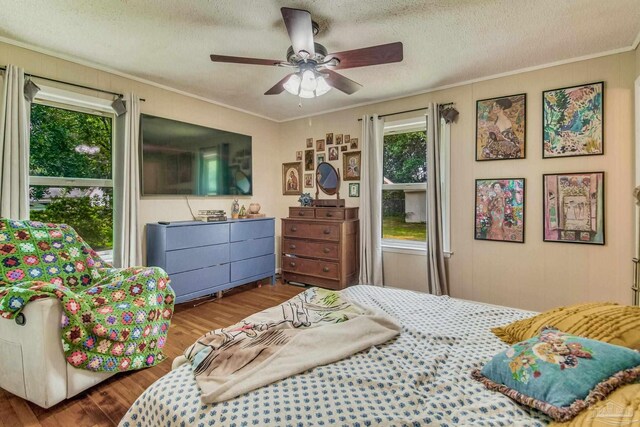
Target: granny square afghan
<point>113,319</point>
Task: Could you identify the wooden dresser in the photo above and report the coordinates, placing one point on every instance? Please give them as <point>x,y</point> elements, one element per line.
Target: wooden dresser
<point>320,246</point>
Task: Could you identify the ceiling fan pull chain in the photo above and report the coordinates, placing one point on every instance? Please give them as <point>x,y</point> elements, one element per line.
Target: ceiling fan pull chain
<point>299,102</point>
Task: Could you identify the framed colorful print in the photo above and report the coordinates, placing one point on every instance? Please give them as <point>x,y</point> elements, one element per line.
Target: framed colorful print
<point>339,139</point>
<point>573,207</point>
<point>354,189</point>
<point>292,178</point>
<point>308,180</point>
<point>333,153</point>
<point>320,158</point>
<point>329,139</point>
<point>308,160</point>
<point>499,213</point>
<point>572,119</point>
<point>344,148</point>
<point>501,128</point>
<point>351,163</point>
<point>347,139</point>
<point>353,144</point>
<point>309,142</point>
<point>320,145</point>
<point>298,155</point>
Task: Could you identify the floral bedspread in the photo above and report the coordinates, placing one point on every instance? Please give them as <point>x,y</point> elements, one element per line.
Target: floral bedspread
<point>113,319</point>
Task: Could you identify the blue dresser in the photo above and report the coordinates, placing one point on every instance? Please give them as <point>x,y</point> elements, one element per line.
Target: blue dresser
<point>203,258</point>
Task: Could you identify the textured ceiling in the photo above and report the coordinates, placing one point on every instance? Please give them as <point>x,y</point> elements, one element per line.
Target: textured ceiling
<point>445,41</point>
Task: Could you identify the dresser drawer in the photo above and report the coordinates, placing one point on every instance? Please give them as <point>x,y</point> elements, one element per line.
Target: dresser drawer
<point>312,230</point>
<point>318,268</point>
<point>264,265</point>
<point>251,248</point>
<point>310,249</point>
<point>256,229</point>
<point>326,213</point>
<point>198,280</point>
<point>194,258</point>
<point>197,235</point>
<point>302,213</point>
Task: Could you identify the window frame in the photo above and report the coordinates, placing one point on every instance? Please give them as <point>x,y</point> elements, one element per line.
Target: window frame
<point>72,101</point>
<point>417,124</point>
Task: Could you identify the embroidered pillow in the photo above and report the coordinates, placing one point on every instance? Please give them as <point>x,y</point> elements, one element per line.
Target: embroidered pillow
<point>558,373</point>
<point>602,321</point>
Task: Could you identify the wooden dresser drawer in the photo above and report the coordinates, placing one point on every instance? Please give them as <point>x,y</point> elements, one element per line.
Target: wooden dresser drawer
<point>311,267</point>
<point>311,249</point>
<point>326,213</point>
<point>302,213</point>
<point>312,230</point>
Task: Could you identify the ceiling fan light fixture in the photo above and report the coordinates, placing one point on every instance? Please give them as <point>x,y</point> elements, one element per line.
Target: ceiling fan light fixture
<point>322,87</point>
<point>293,84</point>
<point>306,94</point>
<point>309,82</point>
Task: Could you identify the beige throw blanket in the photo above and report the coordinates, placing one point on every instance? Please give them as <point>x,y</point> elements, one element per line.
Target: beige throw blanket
<point>314,328</point>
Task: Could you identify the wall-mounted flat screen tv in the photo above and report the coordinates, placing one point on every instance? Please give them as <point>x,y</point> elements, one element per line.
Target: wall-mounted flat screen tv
<point>183,158</point>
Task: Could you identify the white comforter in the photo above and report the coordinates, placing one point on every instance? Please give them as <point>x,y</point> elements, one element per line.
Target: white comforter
<point>420,378</point>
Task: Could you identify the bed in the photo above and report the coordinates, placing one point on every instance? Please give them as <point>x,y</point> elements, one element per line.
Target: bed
<point>421,377</point>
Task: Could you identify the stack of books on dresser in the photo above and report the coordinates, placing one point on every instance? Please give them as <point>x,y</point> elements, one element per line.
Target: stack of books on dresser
<point>211,215</point>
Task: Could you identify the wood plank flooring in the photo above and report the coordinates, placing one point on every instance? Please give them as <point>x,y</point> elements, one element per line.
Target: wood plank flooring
<point>106,403</point>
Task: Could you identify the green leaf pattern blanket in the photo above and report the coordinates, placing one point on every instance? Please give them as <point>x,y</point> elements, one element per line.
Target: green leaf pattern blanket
<point>113,319</point>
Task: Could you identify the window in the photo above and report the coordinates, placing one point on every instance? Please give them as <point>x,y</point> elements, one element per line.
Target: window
<point>404,167</point>
<point>70,168</point>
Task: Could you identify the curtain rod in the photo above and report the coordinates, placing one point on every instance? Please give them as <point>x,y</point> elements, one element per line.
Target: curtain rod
<point>73,84</point>
<point>408,111</point>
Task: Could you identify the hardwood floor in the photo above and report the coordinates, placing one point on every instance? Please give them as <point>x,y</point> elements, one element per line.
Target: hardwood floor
<point>106,403</point>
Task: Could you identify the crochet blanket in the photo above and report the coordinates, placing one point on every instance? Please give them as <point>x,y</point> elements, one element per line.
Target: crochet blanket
<point>113,319</point>
<point>314,328</point>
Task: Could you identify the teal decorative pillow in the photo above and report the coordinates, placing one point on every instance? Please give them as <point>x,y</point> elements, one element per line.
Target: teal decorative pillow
<point>558,373</point>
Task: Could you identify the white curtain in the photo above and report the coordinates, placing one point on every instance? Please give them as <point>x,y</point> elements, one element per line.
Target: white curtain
<point>14,146</point>
<point>436,272</point>
<point>371,272</point>
<point>127,251</point>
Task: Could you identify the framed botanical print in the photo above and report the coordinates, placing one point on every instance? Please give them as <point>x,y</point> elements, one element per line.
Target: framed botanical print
<point>351,163</point>
<point>499,213</point>
<point>573,207</point>
<point>501,128</point>
<point>292,178</point>
<point>308,160</point>
<point>572,121</point>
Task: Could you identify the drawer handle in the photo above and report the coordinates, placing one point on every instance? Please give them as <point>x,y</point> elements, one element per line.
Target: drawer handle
<point>325,269</point>
<point>329,214</point>
<point>292,246</point>
<point>326,250</point>
<point>292,264</point>
<point>294,228</point>
<point>301,213</point>
<point>327,231</point>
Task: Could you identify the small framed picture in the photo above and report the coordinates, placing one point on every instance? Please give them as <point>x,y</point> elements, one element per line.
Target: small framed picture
<point>353,144</point>
<point>573,207</point>
<point>333,153</point>
<point>292,178</point>
<point>344,148</point>
<point>351,166</point>
<point>572,121</point>
<point>354,189</point>
<point>339,139</point>
<point>298,155</point>
<point>499,213</point>
<point>320,145</point>
<point>329,139</point>
<point>309,142</point>
<point>308,180</point>
<point>320,158</point>
<point>308,160</point>
<point>347,139</point>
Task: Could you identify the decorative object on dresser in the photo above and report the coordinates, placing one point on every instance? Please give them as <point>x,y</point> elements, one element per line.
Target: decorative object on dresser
<point>203,258</point>
<point>320,246</point>
<point>305,199</point>
<point>328,180</point>
<point>254,211</point>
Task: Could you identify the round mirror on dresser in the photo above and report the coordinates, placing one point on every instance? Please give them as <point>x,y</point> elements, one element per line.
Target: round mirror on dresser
<point>328,180</point>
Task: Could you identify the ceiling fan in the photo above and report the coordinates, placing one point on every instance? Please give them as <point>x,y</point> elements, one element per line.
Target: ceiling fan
<point>314,73</point>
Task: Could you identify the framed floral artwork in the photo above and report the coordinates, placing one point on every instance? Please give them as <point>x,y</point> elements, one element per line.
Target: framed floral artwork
<point>573,208</point>
<point>292,178</point>
<point>501,128</point>
<point>572,121</point>
<point>351,163</point>
<point>499,212</point>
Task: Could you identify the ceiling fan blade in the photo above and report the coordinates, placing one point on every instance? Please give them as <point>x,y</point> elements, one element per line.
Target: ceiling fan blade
<point>374,55</point>
<point>278,88</point>
<point>242,60</point>
<point>300,29</point>
<point>340,82</point>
